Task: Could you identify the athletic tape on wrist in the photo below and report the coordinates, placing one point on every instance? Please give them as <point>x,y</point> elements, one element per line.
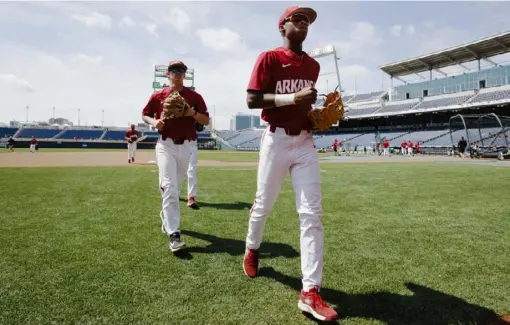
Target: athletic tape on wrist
<point>284,99</point>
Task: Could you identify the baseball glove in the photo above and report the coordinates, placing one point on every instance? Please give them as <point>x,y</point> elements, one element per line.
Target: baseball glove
<point>330,113</point>
<point>175,106</point>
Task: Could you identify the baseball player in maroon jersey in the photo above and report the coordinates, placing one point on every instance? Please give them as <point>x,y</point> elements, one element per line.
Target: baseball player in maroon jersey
<point>33,144</point>
<point>173,147</point>
<point>131,137</point>
<point>282,85</point>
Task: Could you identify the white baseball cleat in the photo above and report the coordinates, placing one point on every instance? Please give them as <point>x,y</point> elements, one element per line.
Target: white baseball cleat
<point>175,243</point>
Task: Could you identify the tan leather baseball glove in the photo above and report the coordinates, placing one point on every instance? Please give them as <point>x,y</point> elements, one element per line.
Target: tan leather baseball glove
<point>333,110</point>
<point>175,106</point>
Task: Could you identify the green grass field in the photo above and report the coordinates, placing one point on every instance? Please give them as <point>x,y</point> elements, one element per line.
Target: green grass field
<point>404,244</point>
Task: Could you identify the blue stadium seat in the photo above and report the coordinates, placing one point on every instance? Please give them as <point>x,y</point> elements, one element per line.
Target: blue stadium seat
<point>80,134</point>
<point>38,133</point>
<point>6,132</point>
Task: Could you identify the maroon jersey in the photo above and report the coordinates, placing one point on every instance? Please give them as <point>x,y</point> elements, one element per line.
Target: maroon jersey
<point>178,128</point>
<point>132,134</point>
<point>281,71</point>
<point>33,141</point>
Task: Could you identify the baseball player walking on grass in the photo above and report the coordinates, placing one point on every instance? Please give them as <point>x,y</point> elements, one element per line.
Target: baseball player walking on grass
<point>174,111</point>
<point>131,137</point>
<point>282,84</point>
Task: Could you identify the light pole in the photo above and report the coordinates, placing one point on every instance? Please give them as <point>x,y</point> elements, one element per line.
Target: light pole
<point>102,118</point>
<point>27,113</point>
<point>78,117</point>
<point>53,114</point>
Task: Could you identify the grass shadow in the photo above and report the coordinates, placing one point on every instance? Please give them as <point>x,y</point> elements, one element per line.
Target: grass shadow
<point>223,206</point>
<point>425,306</point>
<point>235,247</point>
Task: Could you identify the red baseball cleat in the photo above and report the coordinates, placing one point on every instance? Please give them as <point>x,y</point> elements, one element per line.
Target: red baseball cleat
<point>251,262</point>
<point>311,302</point>
<point>192,203</point>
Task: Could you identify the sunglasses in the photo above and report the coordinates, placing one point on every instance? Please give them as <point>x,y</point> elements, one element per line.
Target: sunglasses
<point>297,18</point>
<point>177,70</point>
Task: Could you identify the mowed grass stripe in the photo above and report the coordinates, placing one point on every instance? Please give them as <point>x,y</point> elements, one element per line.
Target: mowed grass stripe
<point>404,244</point>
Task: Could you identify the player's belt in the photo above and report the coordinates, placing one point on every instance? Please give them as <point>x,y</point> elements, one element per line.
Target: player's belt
<point>289,131</point>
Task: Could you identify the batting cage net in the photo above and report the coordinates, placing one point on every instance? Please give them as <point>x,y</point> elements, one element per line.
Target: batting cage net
<point>487,134</point>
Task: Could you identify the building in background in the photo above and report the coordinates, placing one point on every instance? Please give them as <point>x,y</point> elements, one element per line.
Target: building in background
<point>242,121</point>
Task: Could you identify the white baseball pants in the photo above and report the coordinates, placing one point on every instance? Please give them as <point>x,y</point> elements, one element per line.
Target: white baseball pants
<point>192,170</point>
<point>131,150</point>
<point>172,160</point>
<point>32,148</point>
<point>280,154</point>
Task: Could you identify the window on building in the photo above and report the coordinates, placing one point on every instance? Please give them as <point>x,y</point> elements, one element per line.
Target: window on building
<point>482,84</point>
<point>425,92</point>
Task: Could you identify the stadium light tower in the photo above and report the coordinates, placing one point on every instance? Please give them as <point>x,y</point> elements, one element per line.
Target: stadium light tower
<point>327,51</point>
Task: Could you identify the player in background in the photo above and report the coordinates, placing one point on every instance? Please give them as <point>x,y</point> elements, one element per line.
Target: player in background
<point>386,148</point>
<point>335,147</point>
<point>283,85</point>
<point>192,176</point>
<point>173,149</point>
<point>403,147</point>
<point>131,137</point>
<point>410,147</point>
<point>33,144</point>
<point>11,143</point>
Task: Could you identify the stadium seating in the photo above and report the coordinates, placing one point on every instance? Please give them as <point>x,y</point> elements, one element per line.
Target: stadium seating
<point>114,135</point>
<point>372,96</point>
<point>5,132</point>
<point>362,110</point>
<point>80,134</point>
<point>38,133</point>
<point>444,100</point>
<point>489,95</point>
<point>398,106</point>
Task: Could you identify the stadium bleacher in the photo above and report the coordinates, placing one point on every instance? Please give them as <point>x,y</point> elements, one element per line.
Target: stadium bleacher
<point>80,134</point>
<point>444,100</point>
<point>5,132</point>
<point>37,133</point>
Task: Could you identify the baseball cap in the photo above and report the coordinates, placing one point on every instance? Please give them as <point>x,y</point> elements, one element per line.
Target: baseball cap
<point>177,64</point>
<point>309,12</point>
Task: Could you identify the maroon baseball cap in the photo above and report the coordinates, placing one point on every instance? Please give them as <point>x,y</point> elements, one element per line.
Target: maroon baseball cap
<point>177,64</point>
<point>309,12</point>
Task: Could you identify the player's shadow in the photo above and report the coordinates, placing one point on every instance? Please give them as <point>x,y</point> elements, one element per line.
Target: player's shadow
<point>223,206</point>
<point>423,306</point>
<point>235,247</point>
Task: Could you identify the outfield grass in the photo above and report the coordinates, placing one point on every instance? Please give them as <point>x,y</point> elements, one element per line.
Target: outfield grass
<point>405,244</point>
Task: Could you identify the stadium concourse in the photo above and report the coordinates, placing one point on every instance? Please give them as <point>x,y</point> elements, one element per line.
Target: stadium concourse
<point>435,113</point>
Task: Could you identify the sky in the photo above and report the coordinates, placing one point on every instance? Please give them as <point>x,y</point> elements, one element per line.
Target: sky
<point>95,56</point>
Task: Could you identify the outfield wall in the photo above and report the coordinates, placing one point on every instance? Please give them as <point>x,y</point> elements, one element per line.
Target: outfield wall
<point>93,144</point>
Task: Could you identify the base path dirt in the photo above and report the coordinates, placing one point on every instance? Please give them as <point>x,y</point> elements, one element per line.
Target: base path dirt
<point>116,159</point>
<point>91,159</point>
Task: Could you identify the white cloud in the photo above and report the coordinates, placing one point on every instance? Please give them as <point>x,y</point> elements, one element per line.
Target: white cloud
<point>222,39</point>
<point>151,28</point>
<point>179,19</point>
<point>95,20</point>
<point>127,21</point>
<point>396,30</point>
<point>83,58</point>
<point>17,82</point>
<point>410,30</point>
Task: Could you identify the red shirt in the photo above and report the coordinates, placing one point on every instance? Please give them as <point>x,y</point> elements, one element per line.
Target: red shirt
<point>403,145</point>
<point>281,71</point>
<point>410,145</point>
<point>133,134</point>
<point>33,141</point>
<point>178,128</point>
<point>386,144</point>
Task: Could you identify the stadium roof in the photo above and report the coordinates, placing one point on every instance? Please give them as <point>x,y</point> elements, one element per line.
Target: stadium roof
<point>480,49</point>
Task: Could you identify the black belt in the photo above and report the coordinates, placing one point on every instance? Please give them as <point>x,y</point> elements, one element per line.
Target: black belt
<point>289,131</point>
